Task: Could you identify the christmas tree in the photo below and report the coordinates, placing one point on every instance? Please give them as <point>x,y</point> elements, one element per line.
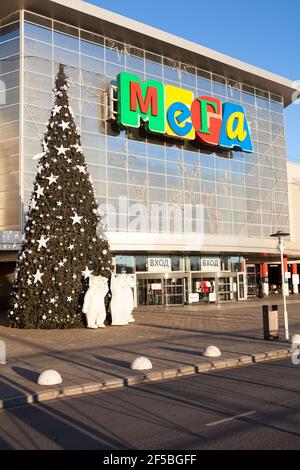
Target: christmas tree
<point>64,240</point>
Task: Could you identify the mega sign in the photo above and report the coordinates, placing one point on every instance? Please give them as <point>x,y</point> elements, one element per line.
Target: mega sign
<point>175,112</point>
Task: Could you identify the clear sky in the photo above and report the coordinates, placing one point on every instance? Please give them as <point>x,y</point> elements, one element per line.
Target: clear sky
<point>264,33</point>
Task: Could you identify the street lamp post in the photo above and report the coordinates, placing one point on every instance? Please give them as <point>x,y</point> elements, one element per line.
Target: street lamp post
<point>280,235</point>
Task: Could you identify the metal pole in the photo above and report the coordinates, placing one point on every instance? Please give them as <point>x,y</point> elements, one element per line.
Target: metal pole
<point>286,323</point>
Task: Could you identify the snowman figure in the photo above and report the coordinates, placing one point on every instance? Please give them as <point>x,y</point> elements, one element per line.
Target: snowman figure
<point>94,306</point>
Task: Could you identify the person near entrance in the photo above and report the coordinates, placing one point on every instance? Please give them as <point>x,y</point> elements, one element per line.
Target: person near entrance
<point>151,297</point>
<point>200,292</point>
<point>206,289</point>
<point>260,290</point>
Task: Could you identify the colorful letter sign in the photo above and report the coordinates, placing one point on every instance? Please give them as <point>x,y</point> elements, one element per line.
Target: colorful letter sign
<point>235,130</point>
<point>139,100</point>
<point>178,106</point>
<point>207,119</point>
<point>177,113</point>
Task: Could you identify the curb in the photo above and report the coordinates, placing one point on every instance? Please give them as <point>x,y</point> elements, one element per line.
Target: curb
<point>131,381</point>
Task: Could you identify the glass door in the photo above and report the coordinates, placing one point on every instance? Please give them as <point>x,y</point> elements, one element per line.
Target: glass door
<point>205,286</point>
<point>227,288</point>
<point>154,292</point>
<point>150,291</point>
<point>174,291</point>
<point>241,286</point>
<point>251,280</point>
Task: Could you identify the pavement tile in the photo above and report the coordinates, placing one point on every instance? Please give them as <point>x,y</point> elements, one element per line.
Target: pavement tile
<point>219,364</point>
<point>135,380</point>
<point>259,357</point>
<point>113,383</point>
<point>233,362</point>
<point>154,376</point>
<point>245,359</point>
<point>172,338</point>
<point>200,368</point>
<point>47,395</point>
<point>170,373</point>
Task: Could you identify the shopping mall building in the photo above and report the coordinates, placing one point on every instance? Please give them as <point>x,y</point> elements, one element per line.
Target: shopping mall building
<point>185,145</point>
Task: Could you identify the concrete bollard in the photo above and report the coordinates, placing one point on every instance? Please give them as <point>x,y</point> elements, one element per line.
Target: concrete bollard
<point>2,353</point>
<point>296,340</point>
<point>141,363</point>
<point>49,377</point>
<point>212,351</point>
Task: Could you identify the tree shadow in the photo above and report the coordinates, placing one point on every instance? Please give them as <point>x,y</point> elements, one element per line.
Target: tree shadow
<point>3,319</point>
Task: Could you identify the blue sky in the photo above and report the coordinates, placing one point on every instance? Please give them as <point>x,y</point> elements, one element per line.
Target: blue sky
<point>263,34</point>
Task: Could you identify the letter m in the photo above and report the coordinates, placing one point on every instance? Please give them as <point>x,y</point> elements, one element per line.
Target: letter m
<point>137,100</point>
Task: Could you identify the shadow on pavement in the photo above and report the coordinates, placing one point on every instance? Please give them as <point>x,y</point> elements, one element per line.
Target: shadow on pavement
<point>28,374</point>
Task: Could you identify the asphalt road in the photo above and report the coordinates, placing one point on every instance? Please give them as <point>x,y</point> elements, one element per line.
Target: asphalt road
<point>252,407</point>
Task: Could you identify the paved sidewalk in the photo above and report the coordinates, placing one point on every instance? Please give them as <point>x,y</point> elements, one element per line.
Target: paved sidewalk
<point>169,337</point>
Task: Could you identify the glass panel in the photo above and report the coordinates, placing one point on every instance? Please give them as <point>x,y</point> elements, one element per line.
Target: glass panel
<point>9,80</point>
<point>115,51</point>
<point>124,264</point>
<point>65,41</point>
<point>195,263</point>
<point>67,29</point>
<point>135,59</point>
<point>90,49</point>
<point>37,32</point>
<point>9,48</point>
<point>153,64</point>
<point>9,32</point>
<point>66,57</point>
<point>141,263</point>
<point>92,64</point>
<point>41,20</point>
<point>8,97</point>
<point>176,263</point>
<point>37,64</point>
<point>37,49</point>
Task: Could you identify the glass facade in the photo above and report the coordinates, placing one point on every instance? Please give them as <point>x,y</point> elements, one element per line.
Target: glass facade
<point>9,122</point>
<point>242,194</point>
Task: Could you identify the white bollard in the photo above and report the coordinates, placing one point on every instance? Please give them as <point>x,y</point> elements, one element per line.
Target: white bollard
<point>49,377</point>
<point>141,363</point>
<point>296,350</point>
<point>2,353</point>
<point>212,351</point>
<point>296,340</point>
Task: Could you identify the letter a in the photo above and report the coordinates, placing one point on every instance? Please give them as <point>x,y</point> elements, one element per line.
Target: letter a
<point>235,131</point>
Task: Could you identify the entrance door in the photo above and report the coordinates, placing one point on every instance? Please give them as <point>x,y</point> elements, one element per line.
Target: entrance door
<point>150,291</point>
<point>227,288</point>
<point>251,280</point>
<point>161,291</point>
<point>205,285</point>
<point>241,286</point>
<point>174,291</point>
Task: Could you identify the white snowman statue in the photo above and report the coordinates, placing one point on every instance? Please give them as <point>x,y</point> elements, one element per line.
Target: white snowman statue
<point>94,306</point>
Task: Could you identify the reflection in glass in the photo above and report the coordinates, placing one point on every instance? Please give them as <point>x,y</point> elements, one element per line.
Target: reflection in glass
<point>159,169</point>
<point>124,264</point>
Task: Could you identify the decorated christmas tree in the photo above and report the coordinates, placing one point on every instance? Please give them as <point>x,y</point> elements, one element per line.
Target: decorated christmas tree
<point>64,240</point>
